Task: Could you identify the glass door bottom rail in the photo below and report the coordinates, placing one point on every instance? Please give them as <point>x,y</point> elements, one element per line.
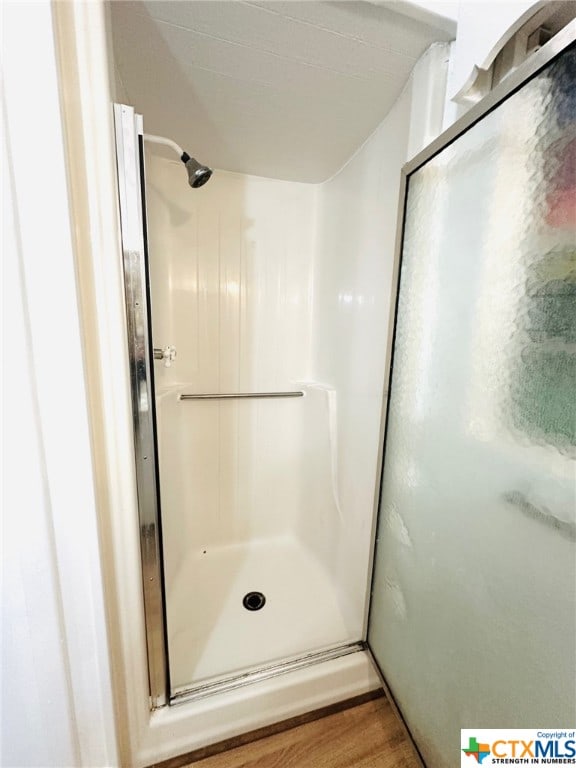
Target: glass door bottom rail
<point>266,672</point>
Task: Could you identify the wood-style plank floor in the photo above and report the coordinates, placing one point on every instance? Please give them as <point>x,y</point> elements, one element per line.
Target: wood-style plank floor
<point>366,736</point>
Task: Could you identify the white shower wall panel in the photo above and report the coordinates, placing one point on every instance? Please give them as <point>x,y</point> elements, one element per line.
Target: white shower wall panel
<point>229,473</point>
<point>231,269</point>
<point>231,281</point>
<point>354,260</point>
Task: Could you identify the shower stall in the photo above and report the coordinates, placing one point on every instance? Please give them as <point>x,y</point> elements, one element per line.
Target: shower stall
<point>244,443</point>
<point>295,508</point>
<point>264,568</point>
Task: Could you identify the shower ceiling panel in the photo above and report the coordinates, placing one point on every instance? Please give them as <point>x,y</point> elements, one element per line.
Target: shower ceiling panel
<point>287,90</point>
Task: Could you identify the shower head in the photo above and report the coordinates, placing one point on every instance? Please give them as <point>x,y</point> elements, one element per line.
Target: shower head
<point>198,174</point>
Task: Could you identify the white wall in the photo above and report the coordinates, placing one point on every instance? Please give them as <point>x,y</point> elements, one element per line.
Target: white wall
<point>34,660</point>
<point>353,268</point>
<point>56,695</point>
<point>231,271</point>
<point>231,268</point>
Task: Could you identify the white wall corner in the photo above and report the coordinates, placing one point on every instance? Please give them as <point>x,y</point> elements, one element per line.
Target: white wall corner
<point>429,79</point>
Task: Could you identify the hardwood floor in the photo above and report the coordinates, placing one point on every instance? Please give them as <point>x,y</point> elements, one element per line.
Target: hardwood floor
<point>366,736</point>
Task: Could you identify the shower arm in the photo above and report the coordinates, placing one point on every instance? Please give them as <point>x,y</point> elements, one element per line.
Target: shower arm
<point>198,174</point>
<point>167,143</point>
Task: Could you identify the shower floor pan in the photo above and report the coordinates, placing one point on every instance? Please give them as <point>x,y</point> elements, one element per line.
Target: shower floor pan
<point>214,640</point>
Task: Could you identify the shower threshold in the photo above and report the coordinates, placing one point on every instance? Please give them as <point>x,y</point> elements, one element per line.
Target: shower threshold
<point>266,672</point>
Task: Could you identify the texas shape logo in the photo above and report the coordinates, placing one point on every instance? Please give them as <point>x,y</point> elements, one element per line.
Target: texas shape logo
<point>479,751</point>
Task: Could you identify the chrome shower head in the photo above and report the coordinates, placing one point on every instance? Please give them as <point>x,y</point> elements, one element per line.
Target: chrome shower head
<point>198,174</point>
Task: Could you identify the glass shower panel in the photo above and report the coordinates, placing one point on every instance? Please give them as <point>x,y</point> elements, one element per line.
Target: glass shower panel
<point>473,613</point>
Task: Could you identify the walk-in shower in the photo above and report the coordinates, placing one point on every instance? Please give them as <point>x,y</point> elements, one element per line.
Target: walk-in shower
<point>266,447</point>
<point>244,443</point>
<point>252,567</point>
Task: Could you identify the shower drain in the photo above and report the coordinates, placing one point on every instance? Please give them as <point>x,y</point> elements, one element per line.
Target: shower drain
<point>253,601</point>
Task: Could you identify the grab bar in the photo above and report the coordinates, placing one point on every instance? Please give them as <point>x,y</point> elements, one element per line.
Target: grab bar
<point>241,395</point>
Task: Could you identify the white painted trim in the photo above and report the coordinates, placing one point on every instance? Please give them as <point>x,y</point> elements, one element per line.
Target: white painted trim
<point>42,220</point>
<point>185,727</point>
<point>84,78</point>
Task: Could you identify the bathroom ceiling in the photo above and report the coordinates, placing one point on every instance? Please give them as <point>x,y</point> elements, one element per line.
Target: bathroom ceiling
<point>287,90</point>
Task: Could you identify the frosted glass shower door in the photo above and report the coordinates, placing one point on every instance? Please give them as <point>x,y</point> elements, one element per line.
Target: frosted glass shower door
<point>473,611</point>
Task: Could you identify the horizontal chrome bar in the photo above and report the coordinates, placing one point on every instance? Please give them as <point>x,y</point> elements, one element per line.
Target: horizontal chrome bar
<point>241,395</point>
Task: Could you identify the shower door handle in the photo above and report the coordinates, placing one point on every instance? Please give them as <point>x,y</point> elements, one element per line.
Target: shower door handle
<point>168,354</point>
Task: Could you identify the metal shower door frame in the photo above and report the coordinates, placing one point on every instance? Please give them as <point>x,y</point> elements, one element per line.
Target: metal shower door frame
<point>132,202</point>
<point>529,69</point>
